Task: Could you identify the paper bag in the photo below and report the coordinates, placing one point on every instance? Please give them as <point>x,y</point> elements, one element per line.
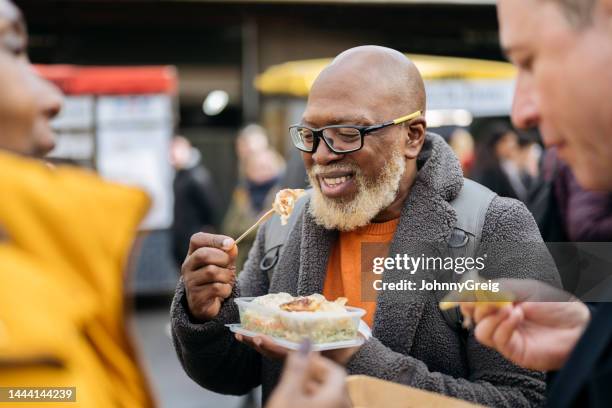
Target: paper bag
<point>369,392</point>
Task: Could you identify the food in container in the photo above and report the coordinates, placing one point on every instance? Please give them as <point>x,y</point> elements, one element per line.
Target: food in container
<point>291,318</point>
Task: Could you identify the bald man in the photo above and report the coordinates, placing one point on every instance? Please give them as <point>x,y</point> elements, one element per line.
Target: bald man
<point>377,177</point>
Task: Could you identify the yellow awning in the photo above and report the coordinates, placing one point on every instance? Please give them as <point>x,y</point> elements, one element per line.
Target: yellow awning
<point>296,77</point>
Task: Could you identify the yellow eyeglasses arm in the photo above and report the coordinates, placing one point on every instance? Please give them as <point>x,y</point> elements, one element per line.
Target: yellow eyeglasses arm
<point>407,117</point>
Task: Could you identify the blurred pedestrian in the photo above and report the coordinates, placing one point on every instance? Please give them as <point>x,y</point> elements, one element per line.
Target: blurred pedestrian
<point>252,197</point>
<point>567,213</point>
<point>586,215</point>
<point>252,139</point>
<point>26,99</point>
<point>295,172</point>
<point>496,163</point>
<point>462,143</point>
<point>196,199</point>
<point>528,157</point>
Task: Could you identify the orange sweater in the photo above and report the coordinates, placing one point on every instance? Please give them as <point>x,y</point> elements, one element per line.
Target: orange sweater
<point>344,268</point>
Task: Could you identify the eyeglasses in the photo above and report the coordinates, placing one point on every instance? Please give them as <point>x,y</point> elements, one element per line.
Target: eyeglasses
<point>339,138</point>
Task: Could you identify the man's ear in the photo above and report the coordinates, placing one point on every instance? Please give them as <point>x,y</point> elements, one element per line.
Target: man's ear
<point>415,134</point>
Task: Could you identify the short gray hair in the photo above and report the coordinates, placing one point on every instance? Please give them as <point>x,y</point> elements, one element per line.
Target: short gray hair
<point>578,12</point>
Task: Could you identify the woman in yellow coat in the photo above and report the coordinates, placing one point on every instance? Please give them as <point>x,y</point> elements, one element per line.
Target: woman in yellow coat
<point>65,237</point>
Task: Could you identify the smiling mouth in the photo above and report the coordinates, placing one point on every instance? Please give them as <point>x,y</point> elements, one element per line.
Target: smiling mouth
<point>335,181</point>
<point>336,185</point>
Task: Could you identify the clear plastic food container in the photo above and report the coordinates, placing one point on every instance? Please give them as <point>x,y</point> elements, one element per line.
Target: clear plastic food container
<point>319,327</point>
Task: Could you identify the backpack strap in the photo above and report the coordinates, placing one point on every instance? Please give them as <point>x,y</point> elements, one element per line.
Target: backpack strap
<point>471,206</point>
<point>276,234</point>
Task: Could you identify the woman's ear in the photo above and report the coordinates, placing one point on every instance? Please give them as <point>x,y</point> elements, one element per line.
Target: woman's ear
<point>415,133</point>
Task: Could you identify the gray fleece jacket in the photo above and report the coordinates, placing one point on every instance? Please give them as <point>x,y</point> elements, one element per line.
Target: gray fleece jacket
<point>412,344</point>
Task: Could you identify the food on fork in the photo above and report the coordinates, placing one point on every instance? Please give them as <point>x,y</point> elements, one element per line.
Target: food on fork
<point>284,202</point>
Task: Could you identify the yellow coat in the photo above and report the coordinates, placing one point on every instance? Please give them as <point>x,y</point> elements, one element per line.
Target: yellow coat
<point>65,237</point>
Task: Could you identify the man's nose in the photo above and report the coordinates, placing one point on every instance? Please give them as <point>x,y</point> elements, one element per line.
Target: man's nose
<point>323,155</point>
<point>525,107</point>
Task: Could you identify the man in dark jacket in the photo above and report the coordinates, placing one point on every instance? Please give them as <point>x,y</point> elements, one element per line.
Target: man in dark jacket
<point>563,52</point>
<point>372,176</point>
<point>196,200</point>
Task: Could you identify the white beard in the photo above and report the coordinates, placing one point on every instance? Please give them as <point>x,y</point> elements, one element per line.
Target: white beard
<point>372,197</point>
